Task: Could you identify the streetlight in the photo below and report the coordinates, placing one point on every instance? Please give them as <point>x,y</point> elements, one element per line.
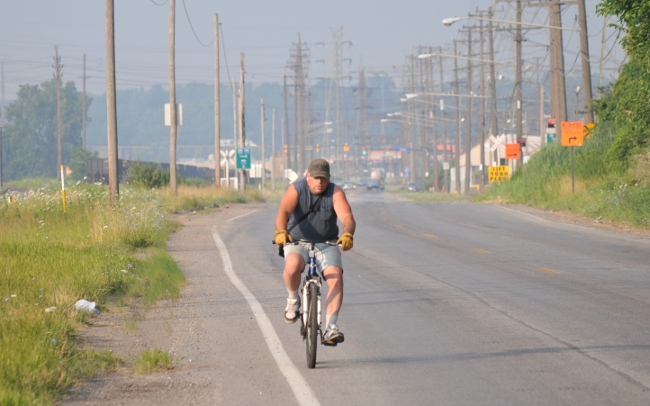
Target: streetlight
<point>584,50</point>
<point>449,21</point>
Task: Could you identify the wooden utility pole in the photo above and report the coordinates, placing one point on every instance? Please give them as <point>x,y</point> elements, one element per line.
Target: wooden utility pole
<point>445,157</point>
<point>558,84</point>
<point>468,120</point>
<point>173,122</point>
<point>430,86</point>
<point>494,128</point>
<point>111,107</point>
<point>217,107</point>
<point>457,136</point>
<point>481,83</point>
<point>286,137</point>
<point>57,76</point>
<point>273,174</point>
<point>518,84</point>
<point>242,119</point>
<point>2,104</point>
<point>83,109</point>
<point>263,125</point>
<point>586,66</point>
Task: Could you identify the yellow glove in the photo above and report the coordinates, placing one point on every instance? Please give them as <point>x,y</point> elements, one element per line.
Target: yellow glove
<point>346,241</point>
<point>282,237</point>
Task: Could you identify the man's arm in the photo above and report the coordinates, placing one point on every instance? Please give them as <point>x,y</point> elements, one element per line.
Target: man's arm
<point>287,205</point>
<point>343,211</point>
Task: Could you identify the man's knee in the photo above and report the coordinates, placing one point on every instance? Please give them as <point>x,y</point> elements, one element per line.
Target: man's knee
<point>333,275</point>
<point>293,263</point>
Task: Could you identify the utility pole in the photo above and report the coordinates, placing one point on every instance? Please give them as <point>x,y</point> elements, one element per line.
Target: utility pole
<point>1,144</point>
<point>217,107</point>
<point>286,137</point>
<point>362,116</point>
<point>430,88</point>
<point>586,66</point>
<point>57,76</point>
<point>481,83</point>
<point>457,137</point>
<point>558,84</point>
<point>242,119</point>
<point>173,122</point>
<point>2,105</point>
<point>493,83</point>
<point>445,156</point>
<point>263,125</point>
<point>83,109</point>
<point>111,107</point>
<point>518,80</point>
<point>468,120</point>
<point>273,174</point>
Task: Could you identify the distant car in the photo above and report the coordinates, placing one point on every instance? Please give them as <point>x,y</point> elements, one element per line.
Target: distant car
<point>362,182</point>
<point>373,184</point>
<point>348,186</point>
<point>413,187</point>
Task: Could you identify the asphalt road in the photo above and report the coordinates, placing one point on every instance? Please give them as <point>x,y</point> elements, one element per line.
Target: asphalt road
<point>445,304</point>
<point>475,304</point>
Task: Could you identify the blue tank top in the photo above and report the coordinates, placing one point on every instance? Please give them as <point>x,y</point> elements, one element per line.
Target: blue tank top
<point>320,225</point>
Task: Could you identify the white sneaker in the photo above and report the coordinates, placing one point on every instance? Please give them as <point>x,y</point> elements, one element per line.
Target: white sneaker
<point>292,311</point>
<point>333,336</point>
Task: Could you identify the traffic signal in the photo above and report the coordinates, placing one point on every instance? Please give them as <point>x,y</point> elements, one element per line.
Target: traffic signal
<point>387,151</point>
<point>317,147</point>
<point>286,149</point>
<point>346,147</point>
<point>364,151</point>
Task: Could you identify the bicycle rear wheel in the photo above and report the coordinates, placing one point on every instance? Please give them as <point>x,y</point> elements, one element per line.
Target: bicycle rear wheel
<point>312,324</point>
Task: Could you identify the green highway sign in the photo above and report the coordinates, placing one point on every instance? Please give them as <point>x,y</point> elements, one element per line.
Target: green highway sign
<point>243,158</point>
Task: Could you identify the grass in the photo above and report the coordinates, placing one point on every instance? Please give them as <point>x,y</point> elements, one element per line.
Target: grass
<point>155,360</point>
<point>546,182</point>
<point>50,259</point>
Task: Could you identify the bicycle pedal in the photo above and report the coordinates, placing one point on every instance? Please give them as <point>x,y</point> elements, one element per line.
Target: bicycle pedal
<point>328,344</point>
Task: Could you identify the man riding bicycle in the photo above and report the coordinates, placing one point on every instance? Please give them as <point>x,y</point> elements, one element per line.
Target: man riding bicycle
<point>297,213</point>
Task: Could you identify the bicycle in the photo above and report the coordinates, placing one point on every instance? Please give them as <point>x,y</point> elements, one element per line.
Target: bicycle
<point>310,318</point>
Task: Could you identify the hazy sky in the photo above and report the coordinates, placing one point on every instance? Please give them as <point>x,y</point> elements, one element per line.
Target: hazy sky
<point>382,33</point>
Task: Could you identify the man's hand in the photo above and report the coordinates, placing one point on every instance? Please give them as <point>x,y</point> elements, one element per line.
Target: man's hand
<point>346,241</point>
<point>282,237</point>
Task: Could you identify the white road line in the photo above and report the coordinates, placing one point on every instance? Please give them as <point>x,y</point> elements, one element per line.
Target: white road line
<point>245,214</point>
<point>299,386</point>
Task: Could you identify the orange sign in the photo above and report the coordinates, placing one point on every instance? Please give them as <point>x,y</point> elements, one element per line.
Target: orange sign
<point>573,134</point>
<point>513,151</point>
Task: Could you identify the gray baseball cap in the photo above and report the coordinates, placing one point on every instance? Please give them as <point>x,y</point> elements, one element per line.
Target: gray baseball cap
<point>319,168</point>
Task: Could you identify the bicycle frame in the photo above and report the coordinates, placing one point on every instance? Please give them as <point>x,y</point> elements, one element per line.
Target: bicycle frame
<point>311,277</point>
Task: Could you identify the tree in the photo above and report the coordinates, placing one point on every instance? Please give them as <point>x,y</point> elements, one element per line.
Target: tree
<point>626,105</point>
<point>31,132</point>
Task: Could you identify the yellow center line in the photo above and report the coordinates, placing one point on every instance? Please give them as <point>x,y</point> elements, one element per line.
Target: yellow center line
<point>548,271</point>
<point>383,218</point>
<point>481,251</point>
<point>397,225</point>
<point>431,236</point>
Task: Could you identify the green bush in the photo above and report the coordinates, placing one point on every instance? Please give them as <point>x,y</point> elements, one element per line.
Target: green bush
<point>148,175</point>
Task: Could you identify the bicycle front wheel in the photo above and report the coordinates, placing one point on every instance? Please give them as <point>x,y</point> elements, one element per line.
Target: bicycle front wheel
<point>312,324</point>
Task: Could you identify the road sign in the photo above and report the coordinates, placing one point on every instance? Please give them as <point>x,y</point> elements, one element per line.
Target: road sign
<point>573,134</point>
<point>498,173</point>
<point>243,158</point>
<point>230,155</point>
<point>513,151</point>
<point>589,130</point>
<point>496,142</point>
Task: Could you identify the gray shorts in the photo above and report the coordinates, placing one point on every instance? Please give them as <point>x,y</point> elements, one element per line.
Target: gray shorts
<point>326,255</point>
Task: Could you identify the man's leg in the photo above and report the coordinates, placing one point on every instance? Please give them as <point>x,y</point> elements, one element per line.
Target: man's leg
<point>334,277</point>
<point>293,266</point>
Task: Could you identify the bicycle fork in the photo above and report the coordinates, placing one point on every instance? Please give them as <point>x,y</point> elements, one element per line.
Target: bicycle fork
<point>311,278</point>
